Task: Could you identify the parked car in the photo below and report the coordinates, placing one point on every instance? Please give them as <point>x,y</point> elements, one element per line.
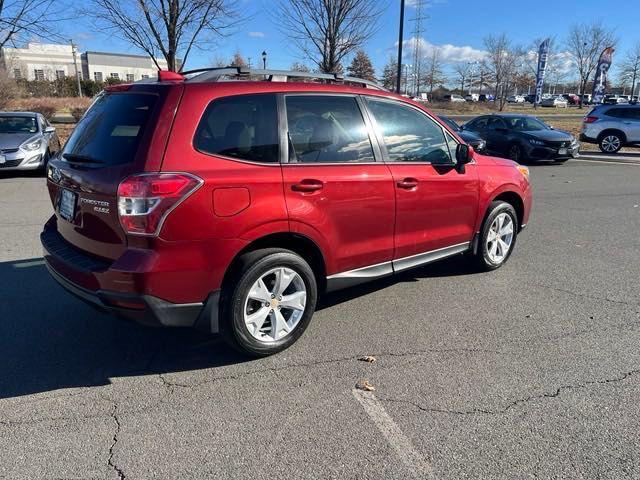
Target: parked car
<point>586,98</point>
<point>27,141</point>
<point>486,98</point>
<point>556,101</point>
<point>515,99</point>
<point>472,97</point>
<point>524,138</point>
<point>530,98</point>
<point>231,206</point>
<point>615,99</point>
<point>470,138</point>
<point>612,127</point>
<point>454,98</point>
<point>571,98</point>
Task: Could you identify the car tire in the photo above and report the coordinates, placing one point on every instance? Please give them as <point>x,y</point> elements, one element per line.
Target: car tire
<point>490,254</point>
<point>610,143</point>
<point>267,334</point>
<point>515,153</point>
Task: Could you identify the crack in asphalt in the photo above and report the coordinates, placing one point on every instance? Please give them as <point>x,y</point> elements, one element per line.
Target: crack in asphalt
<point>110,462</point>
<point>169,383</point>
<point>585,295</point>
<point>515,403</point>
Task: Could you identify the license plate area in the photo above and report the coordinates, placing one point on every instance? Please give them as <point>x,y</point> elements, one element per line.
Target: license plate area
<point>3,159</point>
<point>562,151</point>
<point>67,206</point>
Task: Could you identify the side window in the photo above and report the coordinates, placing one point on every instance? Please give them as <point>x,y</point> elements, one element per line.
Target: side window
<point>453,145</point>
<point>326,129</point>
<point>616,113</point>
<point>478,124</point>
<point>495,124</point>
<point>243,127</point>
<point>409,135</point>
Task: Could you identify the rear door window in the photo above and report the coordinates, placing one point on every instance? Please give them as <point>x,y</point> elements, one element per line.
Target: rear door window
<point>327,129</point>
<point>111,130</point>
<point>243,127</point>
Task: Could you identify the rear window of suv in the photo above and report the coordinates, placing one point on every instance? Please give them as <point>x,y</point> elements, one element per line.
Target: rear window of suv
<point>111,130</point>
<point>243,127</point>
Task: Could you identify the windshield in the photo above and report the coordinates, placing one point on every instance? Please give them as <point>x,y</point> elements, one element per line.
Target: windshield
<point>525,124</point>
<point>111,130</point>
<point>450,123</point>
<point>18,124</point>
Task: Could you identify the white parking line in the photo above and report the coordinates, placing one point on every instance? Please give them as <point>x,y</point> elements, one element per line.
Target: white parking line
<point>629,162</point>
<point>415,463</point>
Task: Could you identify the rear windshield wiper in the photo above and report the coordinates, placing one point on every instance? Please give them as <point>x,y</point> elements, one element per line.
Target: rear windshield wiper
<point>75,158</point>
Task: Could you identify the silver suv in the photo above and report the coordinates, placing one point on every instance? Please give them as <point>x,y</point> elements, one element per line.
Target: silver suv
<point>612,127</point>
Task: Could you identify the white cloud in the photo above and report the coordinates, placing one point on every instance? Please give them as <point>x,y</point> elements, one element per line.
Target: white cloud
<point>257,34</point>
<point>448,53</point>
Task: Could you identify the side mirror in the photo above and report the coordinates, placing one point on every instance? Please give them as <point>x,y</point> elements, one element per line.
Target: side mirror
<point>50,129</point>
<point>551,127</point>
<point>464,154</point>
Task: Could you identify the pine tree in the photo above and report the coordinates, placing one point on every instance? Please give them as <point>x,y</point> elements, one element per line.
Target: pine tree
<point>390,74</point>
<point>361,67</point>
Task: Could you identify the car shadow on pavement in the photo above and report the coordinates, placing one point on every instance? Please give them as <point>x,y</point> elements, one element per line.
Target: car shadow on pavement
<point>449,267</point>
<point>50,340</point>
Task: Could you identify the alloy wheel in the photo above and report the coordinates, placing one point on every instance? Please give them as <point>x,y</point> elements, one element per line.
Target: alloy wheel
<point>275,304</point>
<point>514,153</point>
<point>610,143</point>
<point>500,238</point>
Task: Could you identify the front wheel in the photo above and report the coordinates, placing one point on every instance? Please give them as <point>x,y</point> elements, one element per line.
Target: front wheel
<point>515,153</point>
<point>497,237</point>
<point>269,302</point>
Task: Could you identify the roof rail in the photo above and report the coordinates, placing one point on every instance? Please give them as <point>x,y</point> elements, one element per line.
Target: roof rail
<point>202,75</point>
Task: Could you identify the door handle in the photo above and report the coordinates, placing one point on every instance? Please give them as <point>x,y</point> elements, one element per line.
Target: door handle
<point>408,183</point>
<point>307,186</point>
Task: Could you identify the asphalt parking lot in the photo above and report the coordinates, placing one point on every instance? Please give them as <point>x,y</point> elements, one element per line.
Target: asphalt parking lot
<point>532,371</point>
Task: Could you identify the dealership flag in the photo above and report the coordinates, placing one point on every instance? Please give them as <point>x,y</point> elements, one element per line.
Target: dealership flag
<point>600,82</point>
<point>543,54</point>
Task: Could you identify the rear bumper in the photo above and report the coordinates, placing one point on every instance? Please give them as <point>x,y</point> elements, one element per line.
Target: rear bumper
<point>66,264</point>
<point>587,139</point>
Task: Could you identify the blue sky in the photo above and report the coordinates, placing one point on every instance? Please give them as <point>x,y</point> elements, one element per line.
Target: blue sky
<point>459,26</point>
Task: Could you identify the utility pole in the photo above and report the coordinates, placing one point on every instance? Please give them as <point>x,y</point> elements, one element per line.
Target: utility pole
<point>417,37</point>
<point>75,64</point>
<point>400,40</point>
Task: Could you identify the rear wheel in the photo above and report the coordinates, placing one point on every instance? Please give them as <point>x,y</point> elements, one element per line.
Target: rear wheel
<point>269,302</point>
<point>497,237</point>
<point>610,143</point>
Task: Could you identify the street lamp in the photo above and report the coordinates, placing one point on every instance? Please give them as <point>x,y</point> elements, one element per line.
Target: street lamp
<point>264,60</point>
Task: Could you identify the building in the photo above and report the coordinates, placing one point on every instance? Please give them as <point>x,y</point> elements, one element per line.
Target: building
<point>99,66</point>
<point>41,61</point>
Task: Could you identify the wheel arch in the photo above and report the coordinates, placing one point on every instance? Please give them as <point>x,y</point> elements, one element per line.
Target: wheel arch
<point>513,199</point>
<point>300,244</point>
<point>609,131</point>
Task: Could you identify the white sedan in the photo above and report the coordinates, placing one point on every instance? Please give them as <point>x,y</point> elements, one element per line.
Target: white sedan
<point>515,99</point>
<point>558,102</point>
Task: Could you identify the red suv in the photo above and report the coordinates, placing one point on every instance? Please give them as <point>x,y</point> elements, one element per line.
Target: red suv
<point>229,206</point>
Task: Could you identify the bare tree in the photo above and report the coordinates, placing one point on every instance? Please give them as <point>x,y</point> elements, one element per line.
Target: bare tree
<point>169,28</point>
<point>434,72</point>
<point>325,31</point>
<point>630,68</point>
<point>299,67</point>
<point>585,43</point>
<point>462,71</point>
<point>238,60</point>
<point>504,63</point>
<point>20,18</point>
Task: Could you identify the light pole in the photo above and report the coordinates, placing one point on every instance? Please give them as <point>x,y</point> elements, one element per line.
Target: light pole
<point>264,60</point>
<point>75,64</point>
<point>399,73</point>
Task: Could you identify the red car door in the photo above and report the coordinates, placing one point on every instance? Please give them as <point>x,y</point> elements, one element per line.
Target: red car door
<point>336,192</point>
<point>436,204</point>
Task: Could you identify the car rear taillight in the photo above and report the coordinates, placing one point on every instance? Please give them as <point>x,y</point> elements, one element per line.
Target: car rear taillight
<point>589,119</point>
<point>145,200</point>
